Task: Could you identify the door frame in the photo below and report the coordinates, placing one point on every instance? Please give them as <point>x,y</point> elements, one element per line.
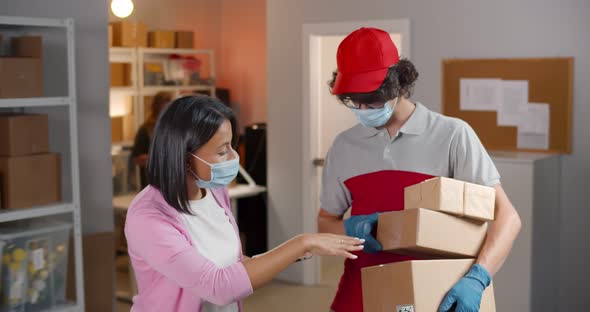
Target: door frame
<point>310,125</point>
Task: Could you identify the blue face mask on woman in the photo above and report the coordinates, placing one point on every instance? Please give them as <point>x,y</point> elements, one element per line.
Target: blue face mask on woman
<point>222,173</point>
<point>373,118</point>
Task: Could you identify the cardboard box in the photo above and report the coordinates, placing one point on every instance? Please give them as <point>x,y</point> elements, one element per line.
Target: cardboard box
<point>426,233</point>
<point>21,77</point>
<point>161,39</point>
<point>120,74</point>
<point>184,40</point>
<point>30,180</point>
<point>110,36</point>
<point>415,286</point>
<point>22,134</point>
<point>129,34</point>
<point>28,46</point>
<point>116,129</point>
<point>479,201</point>
<point>99,272</point>
<point>452,196</point>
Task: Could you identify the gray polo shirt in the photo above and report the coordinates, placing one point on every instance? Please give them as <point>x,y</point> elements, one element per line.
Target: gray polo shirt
<point>428,143</point>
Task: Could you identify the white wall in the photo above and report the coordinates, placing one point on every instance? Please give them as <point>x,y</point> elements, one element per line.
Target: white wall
<point>90,18</point>
<point>439,29</point>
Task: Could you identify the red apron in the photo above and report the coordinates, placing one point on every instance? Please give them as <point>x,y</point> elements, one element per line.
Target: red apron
<point>380,191</point>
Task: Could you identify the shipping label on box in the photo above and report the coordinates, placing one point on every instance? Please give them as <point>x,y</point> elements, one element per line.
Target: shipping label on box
<point>418,285</point>
<point>431,234</point>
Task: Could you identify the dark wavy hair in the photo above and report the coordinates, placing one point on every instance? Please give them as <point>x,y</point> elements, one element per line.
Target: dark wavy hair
<point>185,126</point>
<point>399,81</point>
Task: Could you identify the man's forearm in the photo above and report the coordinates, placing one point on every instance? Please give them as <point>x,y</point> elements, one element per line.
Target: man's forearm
<point>501,234</point>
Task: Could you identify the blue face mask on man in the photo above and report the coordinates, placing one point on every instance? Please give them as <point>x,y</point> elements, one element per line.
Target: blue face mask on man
<point>373,118</point>
<point>222,173</point>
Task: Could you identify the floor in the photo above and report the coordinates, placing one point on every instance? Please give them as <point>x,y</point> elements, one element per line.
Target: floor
<point>274,296</point>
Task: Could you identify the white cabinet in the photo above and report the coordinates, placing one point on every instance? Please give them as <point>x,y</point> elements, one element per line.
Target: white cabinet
<point>528,279</point>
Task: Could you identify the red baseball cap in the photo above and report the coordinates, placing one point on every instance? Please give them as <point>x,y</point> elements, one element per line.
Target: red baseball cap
<point>363,59</point>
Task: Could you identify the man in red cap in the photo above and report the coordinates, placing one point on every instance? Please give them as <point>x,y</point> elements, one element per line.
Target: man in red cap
<point>398,143</point>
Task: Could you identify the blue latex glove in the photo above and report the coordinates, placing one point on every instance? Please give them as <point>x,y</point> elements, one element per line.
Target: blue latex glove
<point>361,227</point>
<point>465,296</point>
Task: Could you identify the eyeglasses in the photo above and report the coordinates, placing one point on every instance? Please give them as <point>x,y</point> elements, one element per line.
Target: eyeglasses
<point>351,104</point>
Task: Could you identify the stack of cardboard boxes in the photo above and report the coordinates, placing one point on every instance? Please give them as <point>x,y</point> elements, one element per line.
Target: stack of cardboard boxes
<point>443,219</point>
<point>29,174</point>
<point>134,34</point>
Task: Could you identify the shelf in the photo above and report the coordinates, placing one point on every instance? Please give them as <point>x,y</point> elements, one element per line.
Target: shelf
<point>32,21</point>
<point>64,308</point>
<point>121,50</point>
<point>131,90</point>
<point>34,102</point>
<point>7,215</point>
<point>173,51</point>
<point>149,90</point>
<point>121,55</point>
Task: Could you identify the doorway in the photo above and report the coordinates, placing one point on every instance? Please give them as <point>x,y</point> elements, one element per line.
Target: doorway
<point>324,118</point>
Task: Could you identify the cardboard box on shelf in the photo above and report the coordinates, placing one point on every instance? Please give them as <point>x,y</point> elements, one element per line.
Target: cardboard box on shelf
<point>27,46</point>
<point>426,233</point>
<point>452,196</point>
<point>184,39</point>
<point>147,106</point>
<point>110,36</point>
<point>21,77</point>
<point>23,134</point>
<point>29,181</point>
<point>162,39</point>
<point>120,74</point>
<point>415,286</point>
<point>129,34</point>
<point>116,129</point>
<point>129,129</point>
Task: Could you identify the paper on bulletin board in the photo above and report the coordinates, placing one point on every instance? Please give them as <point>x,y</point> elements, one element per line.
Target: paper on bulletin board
<point>515,96</point>
<point>480,94</point>
<point>533,128</point>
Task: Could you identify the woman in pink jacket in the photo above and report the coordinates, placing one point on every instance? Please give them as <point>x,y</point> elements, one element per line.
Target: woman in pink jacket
<point>182,238</point>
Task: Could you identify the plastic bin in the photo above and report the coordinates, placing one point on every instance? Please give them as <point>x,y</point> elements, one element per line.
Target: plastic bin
<point>35,262</point>
<point>14,272</point>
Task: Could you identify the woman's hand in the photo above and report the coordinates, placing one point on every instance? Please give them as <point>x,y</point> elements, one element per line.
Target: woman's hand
<point>323,244</point>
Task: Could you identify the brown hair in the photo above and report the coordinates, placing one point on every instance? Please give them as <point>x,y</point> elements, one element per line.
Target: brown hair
<point>160,100</point>
<point>399,81</point>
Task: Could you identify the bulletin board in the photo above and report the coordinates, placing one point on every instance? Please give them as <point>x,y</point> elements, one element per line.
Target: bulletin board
<point>550,81</point>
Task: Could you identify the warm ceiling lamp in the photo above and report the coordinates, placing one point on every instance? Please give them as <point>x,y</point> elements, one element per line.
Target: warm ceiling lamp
<point>122,8</point>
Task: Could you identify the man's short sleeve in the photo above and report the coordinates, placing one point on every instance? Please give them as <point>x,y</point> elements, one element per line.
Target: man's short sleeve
<point>334,196</point>
<point>469,159</point>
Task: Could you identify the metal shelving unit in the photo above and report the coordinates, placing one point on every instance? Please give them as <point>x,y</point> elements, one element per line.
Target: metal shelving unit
<point>137,57</point>
<point>59,77</point>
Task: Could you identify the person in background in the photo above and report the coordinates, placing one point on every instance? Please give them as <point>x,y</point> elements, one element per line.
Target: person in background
<point>143,137</point>
<point>397,143</point>
<point>182,239</point>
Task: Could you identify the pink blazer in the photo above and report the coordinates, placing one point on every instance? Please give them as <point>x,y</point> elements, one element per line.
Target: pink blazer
<point>171,274</point>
